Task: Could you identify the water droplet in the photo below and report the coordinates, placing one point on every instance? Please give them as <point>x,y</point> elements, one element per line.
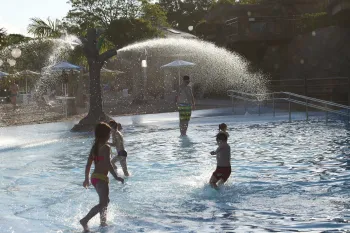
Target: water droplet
<point>11,62</point>
<point>190,28</point>
<point>313,33</point>
<point>249,13</point>
<point>16,52</point>
<point>302,61</point>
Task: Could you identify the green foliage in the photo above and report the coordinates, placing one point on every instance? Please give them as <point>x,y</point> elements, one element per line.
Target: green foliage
<point>49,28</point>
<point>13,39</point>
<point>182,14</point>
<point>311,22</point>
<point>122,32</point>
<point>2,37</point>
<point>34,55</point>
<point>99,13</point>
<point>154,14</point>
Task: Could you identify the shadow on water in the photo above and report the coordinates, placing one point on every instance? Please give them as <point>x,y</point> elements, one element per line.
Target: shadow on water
<point>185,142</point>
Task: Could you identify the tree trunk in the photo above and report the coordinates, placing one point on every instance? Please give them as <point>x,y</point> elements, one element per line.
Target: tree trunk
<point>96,62</point>
<point>96,113</point>
<point>95,90</point>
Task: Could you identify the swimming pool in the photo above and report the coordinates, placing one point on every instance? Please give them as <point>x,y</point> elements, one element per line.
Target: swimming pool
<point>286,177</point>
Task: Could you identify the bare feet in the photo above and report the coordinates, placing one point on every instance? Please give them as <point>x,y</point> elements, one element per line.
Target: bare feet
<point>85,226</point>
<point>103,224</point>
<point>214,186</point>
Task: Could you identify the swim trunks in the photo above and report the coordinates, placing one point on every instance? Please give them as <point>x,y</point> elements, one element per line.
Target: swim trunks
<point>96,177</point>
<point>185,111</point>
<point>222,173</point>
<point>123,153</point>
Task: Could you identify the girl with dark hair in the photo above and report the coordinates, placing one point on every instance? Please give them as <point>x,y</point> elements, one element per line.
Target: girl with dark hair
<point>223,129</point>
<point>100,154</point>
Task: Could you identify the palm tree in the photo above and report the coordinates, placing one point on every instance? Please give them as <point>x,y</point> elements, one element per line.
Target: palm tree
<point>42,28</point>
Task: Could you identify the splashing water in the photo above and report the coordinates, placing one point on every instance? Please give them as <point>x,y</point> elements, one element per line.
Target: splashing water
<point>60,51</point>
<point>216,69</point>
<point>48,51</point>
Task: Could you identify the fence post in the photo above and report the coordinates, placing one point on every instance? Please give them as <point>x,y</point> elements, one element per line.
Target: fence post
<point>273,104</point>
<point>349,91</point>
<point>233,105</point>
<point>290,113</point>
<point>307,110</point>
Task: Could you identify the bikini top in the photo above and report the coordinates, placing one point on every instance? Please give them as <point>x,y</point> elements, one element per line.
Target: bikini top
<point>98,158</point>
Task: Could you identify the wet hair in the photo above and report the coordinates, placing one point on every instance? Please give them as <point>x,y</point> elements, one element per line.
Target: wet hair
<point>222,126</point>
<point>102,131</point>
<point>113,124</point>
<point>221,137</point>
<point>186,78</point>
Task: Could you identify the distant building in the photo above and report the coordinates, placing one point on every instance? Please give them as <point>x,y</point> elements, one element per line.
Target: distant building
<point>340,10</point>
<point>174,33</point>
<point>285,8</point>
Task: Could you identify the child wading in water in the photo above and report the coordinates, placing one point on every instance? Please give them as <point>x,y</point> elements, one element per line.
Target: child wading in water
<point>223,158</point>
<point>101,155</point>
<point>118,142</point>
<point>223,129</point>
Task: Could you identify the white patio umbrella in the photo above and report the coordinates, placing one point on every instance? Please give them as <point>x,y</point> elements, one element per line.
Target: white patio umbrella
<point>60,67</point>
<point>178,64</point>
<point>3,74</point>
<point>107,71</point>
<point>26,73</point>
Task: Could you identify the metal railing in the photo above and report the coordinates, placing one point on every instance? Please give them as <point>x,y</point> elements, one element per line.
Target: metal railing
<point>308,102</point>
<point>333,88</point>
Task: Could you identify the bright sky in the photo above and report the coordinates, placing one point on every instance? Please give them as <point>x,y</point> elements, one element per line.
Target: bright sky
<point>15,14</point>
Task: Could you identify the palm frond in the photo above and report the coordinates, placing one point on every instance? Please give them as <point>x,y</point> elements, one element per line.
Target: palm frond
<point>40,28</point>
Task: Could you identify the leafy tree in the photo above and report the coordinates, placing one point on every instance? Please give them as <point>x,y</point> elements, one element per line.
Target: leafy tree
<point>172,8</point>
<point>129,31</point>
<point>2,37</point>
<point>182,14</point>
<point>49,28</point>
<point>100,13</point>
<point>154,14</point>
<point>96,62</point>
<point>119,23</point>
<point>34,55</point>
<point>14,39</point>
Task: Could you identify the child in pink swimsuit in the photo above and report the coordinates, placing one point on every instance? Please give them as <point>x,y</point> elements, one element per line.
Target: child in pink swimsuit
<point>101,156</point>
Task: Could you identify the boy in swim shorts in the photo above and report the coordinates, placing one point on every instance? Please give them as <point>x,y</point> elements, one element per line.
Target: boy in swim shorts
<point>223,158</point>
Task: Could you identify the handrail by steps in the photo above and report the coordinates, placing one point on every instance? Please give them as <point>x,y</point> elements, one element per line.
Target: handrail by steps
<point>306,101</point>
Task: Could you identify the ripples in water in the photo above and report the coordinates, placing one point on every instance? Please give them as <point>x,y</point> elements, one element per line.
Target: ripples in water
<point>286,178</point>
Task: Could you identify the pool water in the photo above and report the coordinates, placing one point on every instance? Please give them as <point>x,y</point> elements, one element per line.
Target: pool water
<point>287,177</point>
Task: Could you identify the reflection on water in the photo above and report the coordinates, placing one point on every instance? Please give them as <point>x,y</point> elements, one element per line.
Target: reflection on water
<point>286,177</point>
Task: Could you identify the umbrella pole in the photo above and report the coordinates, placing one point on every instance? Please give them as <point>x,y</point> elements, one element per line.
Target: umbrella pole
<point>179,78</point>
